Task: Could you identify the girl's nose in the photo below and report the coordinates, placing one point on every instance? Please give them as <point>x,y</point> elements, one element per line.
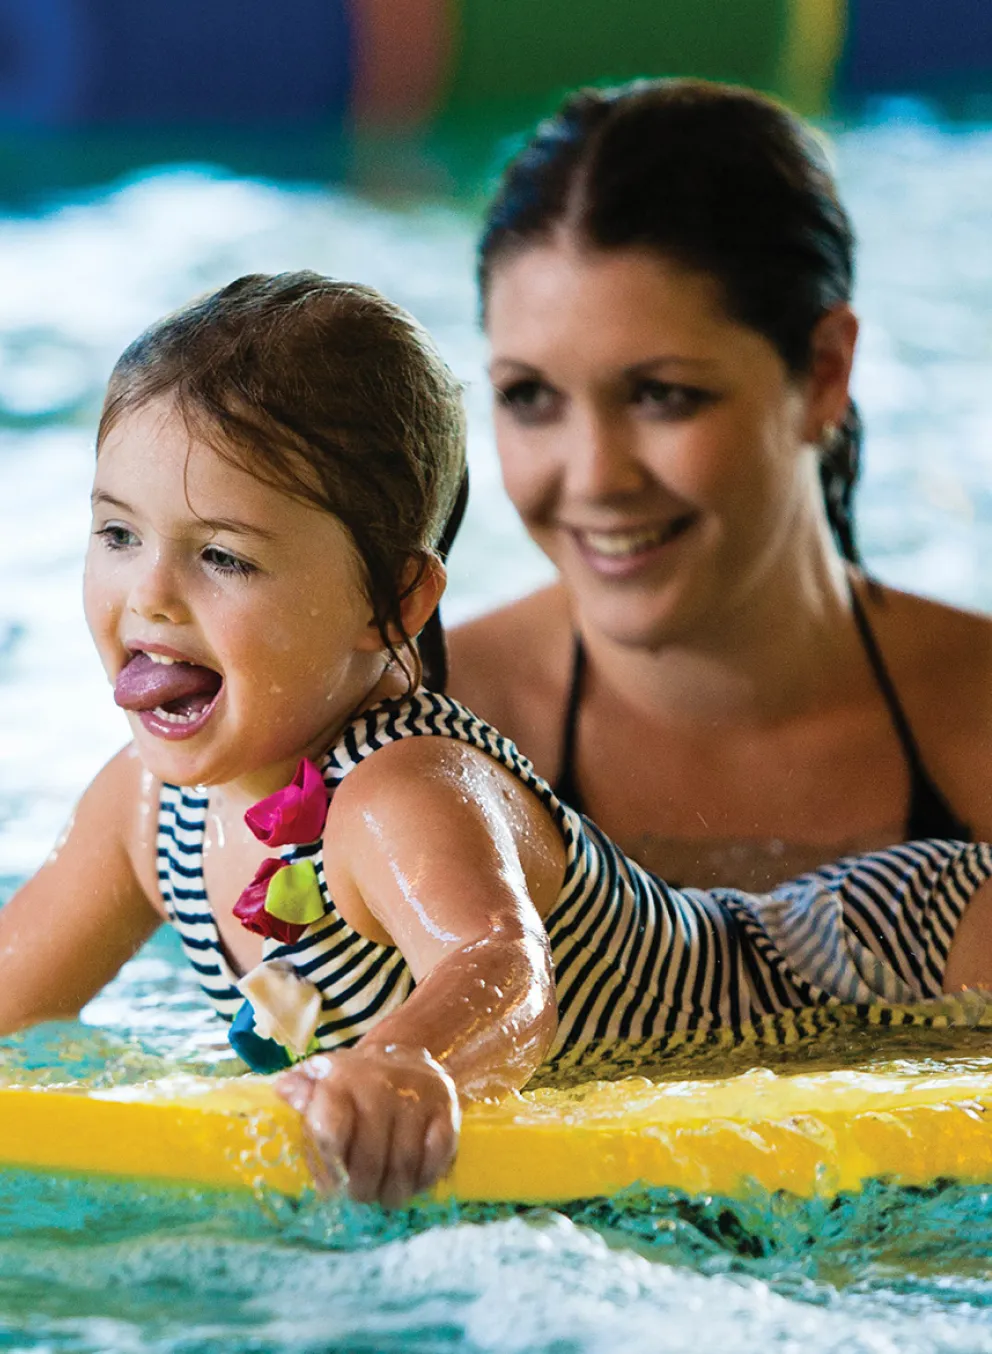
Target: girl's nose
<point>156,592</point>
<point>603,462</point>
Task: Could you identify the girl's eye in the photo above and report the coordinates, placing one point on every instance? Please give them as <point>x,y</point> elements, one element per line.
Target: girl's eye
<point>116,537</point>
<point>669,400</point>
<point>529,401</point>
<point>224,562</point>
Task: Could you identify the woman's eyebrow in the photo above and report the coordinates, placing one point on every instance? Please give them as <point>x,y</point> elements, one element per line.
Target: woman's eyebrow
<point>101,498</point>
<point>512,364</point>
<point>517,367</point>
<point>670,360</point>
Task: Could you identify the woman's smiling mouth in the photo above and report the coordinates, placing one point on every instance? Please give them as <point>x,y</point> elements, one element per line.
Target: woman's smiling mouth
<point>624,551</point>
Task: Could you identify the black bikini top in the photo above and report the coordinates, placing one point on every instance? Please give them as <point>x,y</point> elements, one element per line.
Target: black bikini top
<point>929,814</point>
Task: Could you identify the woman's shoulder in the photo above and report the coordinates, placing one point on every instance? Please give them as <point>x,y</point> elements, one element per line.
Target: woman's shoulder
<point>512,667</point>
<point>943,646</point>
<point>940,660</point>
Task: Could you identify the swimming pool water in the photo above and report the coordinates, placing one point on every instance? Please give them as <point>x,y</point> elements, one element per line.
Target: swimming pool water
<point>102,1267</point>
<point>95,1265</point>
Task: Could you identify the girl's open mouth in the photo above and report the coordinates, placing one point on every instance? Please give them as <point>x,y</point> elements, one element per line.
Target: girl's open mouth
<point>172,698</point>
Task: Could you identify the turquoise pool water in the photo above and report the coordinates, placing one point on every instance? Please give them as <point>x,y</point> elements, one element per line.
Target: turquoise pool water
<point>100,1267</point>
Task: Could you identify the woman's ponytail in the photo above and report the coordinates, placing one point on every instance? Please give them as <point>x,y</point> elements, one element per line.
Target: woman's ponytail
<point>840,468</point>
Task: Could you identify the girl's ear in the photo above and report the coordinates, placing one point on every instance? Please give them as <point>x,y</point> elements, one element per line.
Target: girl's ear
<point>831,356</point>
<point>419,604</point>
<point>423,599</point>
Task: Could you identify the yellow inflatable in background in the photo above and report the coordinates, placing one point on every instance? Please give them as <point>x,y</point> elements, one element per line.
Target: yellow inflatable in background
<point>819,1133</point>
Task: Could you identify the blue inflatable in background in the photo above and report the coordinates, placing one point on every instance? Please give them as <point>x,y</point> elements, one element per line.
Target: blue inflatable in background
<point>916,46</point>
<point>71,63</point>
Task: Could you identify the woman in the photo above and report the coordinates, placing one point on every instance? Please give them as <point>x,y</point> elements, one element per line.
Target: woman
<point>666,279</point>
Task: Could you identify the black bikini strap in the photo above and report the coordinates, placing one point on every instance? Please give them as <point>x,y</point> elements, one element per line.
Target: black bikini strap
<point>566,786</point>
<point>930,814</point>
<point>886,685</point>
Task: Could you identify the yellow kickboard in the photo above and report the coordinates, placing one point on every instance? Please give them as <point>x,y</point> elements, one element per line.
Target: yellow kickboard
<point>809,1134</point>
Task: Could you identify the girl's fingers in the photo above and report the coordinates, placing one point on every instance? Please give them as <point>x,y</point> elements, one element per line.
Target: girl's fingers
<point>296,1088</point>
<point>368,1159</point>
<point>329,1131</point>
<point>440,1144</point>
<point>384,1126</point>
<point>404,1168</point>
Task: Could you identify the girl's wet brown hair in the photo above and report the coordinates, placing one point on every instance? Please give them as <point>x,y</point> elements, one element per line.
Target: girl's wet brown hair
<point>719,179</point>
<point>330,393</point>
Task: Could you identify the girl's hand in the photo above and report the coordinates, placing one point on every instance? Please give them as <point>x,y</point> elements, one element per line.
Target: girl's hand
<point>380,1121</point>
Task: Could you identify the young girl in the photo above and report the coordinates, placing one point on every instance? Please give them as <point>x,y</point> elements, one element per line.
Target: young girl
<point>389,883</point>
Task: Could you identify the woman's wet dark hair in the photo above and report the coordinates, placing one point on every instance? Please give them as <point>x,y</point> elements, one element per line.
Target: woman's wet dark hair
<point>722,181</point>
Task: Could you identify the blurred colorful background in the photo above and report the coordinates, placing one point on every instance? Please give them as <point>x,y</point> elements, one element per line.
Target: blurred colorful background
<point>154,149</point>
<point>89,85</point>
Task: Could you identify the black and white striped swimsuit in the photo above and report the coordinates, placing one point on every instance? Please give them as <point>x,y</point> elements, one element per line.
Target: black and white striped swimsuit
<point>634,959</point>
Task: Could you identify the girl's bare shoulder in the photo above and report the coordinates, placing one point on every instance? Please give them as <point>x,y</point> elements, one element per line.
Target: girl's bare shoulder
<point>512,668</point>
<point>122,802</point>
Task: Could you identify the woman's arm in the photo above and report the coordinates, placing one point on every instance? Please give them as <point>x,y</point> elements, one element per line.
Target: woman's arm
<point>436,848</point>
<point>66,933</point>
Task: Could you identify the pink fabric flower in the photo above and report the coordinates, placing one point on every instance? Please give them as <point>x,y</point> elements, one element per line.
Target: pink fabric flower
<point>250,907</point>
<point>294,815</point>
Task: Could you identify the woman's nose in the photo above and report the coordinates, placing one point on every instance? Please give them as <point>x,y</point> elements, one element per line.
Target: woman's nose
<point>603,462</point>
<point>156,592</point>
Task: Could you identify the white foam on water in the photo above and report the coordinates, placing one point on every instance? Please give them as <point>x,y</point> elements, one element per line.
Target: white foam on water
<point>517,1286</point>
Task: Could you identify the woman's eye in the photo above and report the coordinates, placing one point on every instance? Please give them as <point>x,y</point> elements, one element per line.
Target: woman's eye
<point>670,400</point>
<point>529,401</point>
<point>116,537</point>
<point>224,562</point>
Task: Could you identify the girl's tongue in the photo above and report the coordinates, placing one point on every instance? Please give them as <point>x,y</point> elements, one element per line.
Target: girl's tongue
<point>178,688</point>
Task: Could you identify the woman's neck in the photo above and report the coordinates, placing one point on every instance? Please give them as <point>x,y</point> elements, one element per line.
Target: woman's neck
<point>776,650</point>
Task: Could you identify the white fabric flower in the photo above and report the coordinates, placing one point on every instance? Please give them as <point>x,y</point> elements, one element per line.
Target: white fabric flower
<point>287,1007</point>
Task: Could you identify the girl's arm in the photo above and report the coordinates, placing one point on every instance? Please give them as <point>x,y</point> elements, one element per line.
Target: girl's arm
<point>66,933</point>
<point>434,847</point>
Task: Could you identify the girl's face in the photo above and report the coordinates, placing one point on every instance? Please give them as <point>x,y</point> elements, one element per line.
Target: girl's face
<point>193,559</point>
<point>657,451</point>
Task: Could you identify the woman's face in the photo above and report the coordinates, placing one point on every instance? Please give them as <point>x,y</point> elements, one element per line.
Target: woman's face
<point>657,451</point>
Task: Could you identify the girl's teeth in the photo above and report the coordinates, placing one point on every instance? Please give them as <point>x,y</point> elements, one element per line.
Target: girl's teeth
<point>170,718</point>
<point>161,658</point>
